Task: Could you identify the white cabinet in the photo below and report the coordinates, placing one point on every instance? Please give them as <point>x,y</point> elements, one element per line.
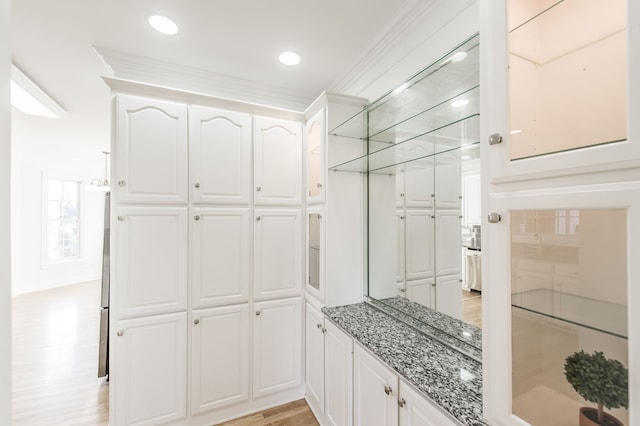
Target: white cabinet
<point>415,410</point>
<point>277,162</point>
<point>220,256</point>
<point>150,151</point>
<point>149,370</point>
<point>220,361</point>
<point>219,156</point>
<point>419,186</point>
<point>277,346</point>
<point>277,253</point>
<point>338,376</point>
<point>151,260</point>
<point>448,242</point>
<point>315,276</point>
<point>374,391</point>
<point>449,295</point>
<point>422,292</point>
<point>314,356</point>
<point>316,142</point>
<point>447,186</point>
<point>419,237</point>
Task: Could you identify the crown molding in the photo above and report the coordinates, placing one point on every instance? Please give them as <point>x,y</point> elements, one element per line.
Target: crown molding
<point>129,67</point>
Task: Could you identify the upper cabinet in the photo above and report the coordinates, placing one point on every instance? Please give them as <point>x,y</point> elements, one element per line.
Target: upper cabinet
<point>277,162</point>
<point>316,143</point>
<point>151,151</point>
<point>219,156</point>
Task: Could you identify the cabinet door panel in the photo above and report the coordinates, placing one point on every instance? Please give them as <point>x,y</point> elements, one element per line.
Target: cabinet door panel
<point>421,291</point>
<point>151,259</point>
<point>338,372</point>
<point>277,162</point>
<point>419,185</point>
<point>419,411</point>
<point>447,186</point>
<point>277,346</point>
<point>151,151</point>
<point>219,357</point>
<point>220,256</point>
<point>314,356</point>
<point>220,156</point>
<point>277,253</point>
<point>372,404</point>
<point>448,241</point>
<point>316,164</point>
<point>150,370</point>
<point>449,295</point>
<point>419,237</point>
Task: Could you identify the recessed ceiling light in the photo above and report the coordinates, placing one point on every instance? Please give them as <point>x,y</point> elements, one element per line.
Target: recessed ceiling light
<point>459,103</point>
<point>163,24</point>
<point>289,58</point>
<point>458,56</point>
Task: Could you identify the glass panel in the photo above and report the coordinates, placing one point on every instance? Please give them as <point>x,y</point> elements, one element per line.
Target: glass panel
<point>315,159</point>
<point>567,74</point>
<point>63,220</point>
<point>569,294</point>
<point>314,251</point>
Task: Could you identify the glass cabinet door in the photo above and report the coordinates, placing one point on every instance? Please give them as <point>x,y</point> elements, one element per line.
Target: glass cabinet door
<point>315,252</point>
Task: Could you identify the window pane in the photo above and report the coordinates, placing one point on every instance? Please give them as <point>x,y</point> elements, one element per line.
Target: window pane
<point>63,240</point>
<point>567,74</point>
<point>55,189</point>
<point>568,294</point>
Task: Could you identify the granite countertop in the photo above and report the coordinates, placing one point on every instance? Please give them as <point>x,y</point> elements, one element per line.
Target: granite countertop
<point>449,378</point>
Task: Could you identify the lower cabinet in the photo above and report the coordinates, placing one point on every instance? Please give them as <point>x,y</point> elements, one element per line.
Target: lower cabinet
<point>381,398</point>
<point>277,346</point>
<point>449,295</point>
<point>220,357</point>
<point>149,370</point>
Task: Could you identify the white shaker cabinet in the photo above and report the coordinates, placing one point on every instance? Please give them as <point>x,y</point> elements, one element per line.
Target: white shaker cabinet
<point>151,260</point>
<point>277,160</point>
<point>220,357</point>
<point>220,256</point>
<point>419,186</point>
<point>277,253</point>
<point>415,410</point>
<point>219,156</point>
<point>150,151</point>
<point>449,295</point>
<point>314,356</point>
<point>374,391</point>
<point>419,237</point>
<point>448,188</point>
<point>149,370</point>
<point>277,346</point>
<point>448,240</point>
<point>338,376</point>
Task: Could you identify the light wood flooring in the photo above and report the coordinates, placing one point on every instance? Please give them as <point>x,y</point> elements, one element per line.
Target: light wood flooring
<point>55,358</point>
<point>472,307</point>
<point>293,413</point>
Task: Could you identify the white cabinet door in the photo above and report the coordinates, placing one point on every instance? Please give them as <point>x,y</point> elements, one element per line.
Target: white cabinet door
<point>315,276</point>
<point>447,186</point>
<point>448,242</point>
<point>338,376</point>
<point>400,249</point>
<point>416,410</point>
<point>277,253</point>
<point>421,291</point>
<point>220,256</point>
<point>375,391</point>
<point>419,240</point>
<point>277,346</point>
<point>150,151</point>
<point>220,348</point>
<point>219,156</point>
<point>419,185</point>
<point>316,164</point>
<point>151,260</point>
<point>277,162</point>
<point>314,356</point>
<point>149,370</point>
<point>449,295</point>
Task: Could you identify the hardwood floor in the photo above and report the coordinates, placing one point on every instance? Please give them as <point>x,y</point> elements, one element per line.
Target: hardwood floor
<point>55,358</point>
<point>293,413</point>
<point>472,307</point>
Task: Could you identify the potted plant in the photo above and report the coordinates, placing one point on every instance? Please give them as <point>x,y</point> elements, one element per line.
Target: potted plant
<point>600,380</point>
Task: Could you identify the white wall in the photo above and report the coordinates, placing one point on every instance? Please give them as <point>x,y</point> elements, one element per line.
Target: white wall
<point>33,160</point>
<point>5,246</point>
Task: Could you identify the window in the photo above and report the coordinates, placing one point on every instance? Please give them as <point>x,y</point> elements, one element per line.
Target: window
<point>63,220</point>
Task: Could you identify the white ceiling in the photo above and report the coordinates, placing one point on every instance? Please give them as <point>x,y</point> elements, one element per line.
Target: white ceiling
<point>235,41</point>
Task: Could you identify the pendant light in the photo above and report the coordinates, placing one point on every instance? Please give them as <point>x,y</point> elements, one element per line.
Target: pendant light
<point>101,184</point>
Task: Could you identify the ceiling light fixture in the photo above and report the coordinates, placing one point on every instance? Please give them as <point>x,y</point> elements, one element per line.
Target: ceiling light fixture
<point>459,103</point>
<point>31,99</point>
<point>101,184</point>
<point>289,58</point>
<point>163,25</point>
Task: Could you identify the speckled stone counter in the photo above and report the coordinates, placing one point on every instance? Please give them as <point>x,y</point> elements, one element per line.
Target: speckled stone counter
<point>448,377</point>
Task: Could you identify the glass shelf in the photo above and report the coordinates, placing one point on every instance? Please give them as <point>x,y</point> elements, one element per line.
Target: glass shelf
<point>610,318</point>
<point>433,113</point>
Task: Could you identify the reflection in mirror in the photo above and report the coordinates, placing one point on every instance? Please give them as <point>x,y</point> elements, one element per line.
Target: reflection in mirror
<point>567,74</point>
<point>314,250</point>
<point>569,294</point>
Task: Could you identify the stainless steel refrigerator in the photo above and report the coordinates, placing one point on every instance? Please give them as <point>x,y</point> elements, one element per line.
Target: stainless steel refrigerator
<point>103,354</point>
